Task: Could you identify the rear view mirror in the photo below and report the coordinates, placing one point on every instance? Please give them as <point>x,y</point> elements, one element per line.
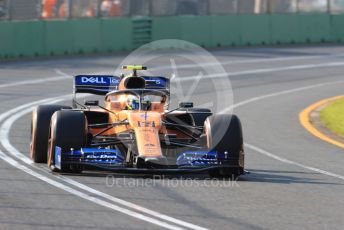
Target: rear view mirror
<point>186,105</point>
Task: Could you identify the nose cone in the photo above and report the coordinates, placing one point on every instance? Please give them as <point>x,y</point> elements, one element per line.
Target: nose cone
<point>146,126</point>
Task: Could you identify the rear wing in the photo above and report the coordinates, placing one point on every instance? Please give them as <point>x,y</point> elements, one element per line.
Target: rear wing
<point>103,84</point>
<point>95,84</point>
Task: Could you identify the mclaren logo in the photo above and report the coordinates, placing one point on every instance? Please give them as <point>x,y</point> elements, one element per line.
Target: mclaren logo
<point>98,80</point>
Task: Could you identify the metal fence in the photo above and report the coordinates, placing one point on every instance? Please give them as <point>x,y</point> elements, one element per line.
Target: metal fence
<point>62,9</point>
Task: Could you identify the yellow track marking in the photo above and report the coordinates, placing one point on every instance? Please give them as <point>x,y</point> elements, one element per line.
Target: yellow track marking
<point>304,117</point>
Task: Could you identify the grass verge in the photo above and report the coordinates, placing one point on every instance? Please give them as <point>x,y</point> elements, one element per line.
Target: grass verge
<point>332,116</point>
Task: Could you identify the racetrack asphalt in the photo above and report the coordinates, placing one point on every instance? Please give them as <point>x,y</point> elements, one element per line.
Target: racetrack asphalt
<point>295,180</point>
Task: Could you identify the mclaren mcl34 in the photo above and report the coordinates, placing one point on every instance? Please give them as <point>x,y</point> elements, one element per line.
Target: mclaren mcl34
<point>133,131</point>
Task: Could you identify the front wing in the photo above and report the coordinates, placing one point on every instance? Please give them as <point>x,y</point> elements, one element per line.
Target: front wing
<point>114,161</point>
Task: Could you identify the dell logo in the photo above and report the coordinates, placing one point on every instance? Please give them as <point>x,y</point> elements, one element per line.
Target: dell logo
<point>97,80</point>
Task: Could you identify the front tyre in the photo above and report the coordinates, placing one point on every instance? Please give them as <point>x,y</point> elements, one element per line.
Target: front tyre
<point>40,123</point>
<point>224,135</point>
<point>68,129</point>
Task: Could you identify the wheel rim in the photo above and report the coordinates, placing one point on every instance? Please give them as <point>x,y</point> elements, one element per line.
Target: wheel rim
<point>50,151</point>
<point>207,133</point>
<point>31,142</point>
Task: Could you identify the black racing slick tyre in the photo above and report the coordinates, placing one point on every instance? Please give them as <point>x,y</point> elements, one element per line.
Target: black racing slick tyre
<point>68,130</point>
<point>40,123</point>
<point>224,135</point>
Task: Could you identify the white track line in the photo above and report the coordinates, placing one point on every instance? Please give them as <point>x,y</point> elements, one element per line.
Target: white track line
<point>284,160</point>
<point>239,73</point>
<point>266,70</point>
<point>251,61</point>
<point>85,196</point>
<point>284,92</point>
<point>35,81</point>
<point>20,111</point>
<point>271,155</point>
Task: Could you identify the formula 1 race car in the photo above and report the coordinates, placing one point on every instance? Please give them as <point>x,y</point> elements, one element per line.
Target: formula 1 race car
<point>134,132</point>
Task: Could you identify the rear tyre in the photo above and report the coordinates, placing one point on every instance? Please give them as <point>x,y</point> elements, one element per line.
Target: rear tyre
<point>40,131</point>
<point>68,129</point>
<point>224,135</point>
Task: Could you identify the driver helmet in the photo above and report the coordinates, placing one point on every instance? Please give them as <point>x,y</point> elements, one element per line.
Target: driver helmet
<point>133,103</point>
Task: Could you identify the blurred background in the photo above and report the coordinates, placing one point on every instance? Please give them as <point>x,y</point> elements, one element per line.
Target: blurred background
<point>62,9</point>
<point>40,28</point>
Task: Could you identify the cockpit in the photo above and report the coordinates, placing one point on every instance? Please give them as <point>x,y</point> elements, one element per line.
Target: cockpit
<point>138,99</point>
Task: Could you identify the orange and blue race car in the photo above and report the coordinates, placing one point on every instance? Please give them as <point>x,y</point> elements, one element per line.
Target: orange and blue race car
<point>133,131</point>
